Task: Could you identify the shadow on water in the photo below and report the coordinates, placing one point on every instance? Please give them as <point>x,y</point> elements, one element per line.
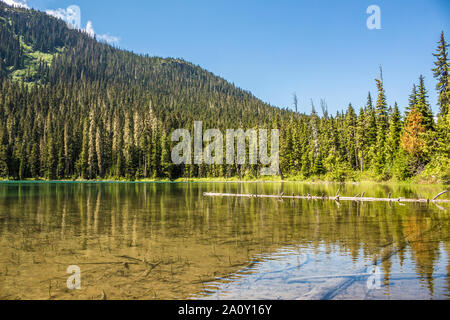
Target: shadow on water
<point>167,241</point>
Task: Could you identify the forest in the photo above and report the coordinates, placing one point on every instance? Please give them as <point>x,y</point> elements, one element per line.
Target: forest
<point>75,108</point>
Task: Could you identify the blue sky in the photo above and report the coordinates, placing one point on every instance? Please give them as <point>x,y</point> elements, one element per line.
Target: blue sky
<point>316,48</point>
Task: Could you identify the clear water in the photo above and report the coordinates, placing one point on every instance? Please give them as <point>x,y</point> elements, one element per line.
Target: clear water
<point>168,241</point>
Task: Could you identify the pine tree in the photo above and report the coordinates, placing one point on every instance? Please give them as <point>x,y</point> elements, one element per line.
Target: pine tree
<point>370,127</point>
<point>442,75</point>
<point>34,161</point>
<point>369,104</point>
<point>60,172</point>
<point>166,162</point>
<point>443,139</point>
<point>128,141</point>
<point>22,161</point>
<point>286,148</point>
<point>315,131</point>
<point>68,150</point>
<point>91,148</point>
<point>51,159</point>
<point>350,134</point>
<point>4,170</point>
<point>381,107</point>
<point>361,135</point>
<point>99,150</point>
<point>318,167</point>
<point>412,100</point>
<point>382,123</point>
<point>297,142</point>
<point>117,144</point>
<point>423,106</point>
<point>394,132</point>
<point>82,162</point>
<point>156,154</point>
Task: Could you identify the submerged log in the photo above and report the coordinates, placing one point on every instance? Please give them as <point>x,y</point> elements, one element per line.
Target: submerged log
<point>336,198</point>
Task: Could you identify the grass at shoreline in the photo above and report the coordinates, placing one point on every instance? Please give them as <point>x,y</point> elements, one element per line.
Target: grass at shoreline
<point>269,179</point>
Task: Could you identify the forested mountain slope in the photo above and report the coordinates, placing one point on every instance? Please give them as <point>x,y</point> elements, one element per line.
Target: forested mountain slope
<point>61,90</point>
<point>72,107</point>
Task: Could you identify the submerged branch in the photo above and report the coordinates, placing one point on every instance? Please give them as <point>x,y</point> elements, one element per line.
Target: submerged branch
<point>337,198</point>
<point>440,194</point>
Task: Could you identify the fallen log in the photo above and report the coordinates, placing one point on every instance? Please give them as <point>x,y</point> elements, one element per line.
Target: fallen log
<point>336,198</point>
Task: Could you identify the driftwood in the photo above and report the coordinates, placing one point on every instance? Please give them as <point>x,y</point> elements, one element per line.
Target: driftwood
<point>337,198</point>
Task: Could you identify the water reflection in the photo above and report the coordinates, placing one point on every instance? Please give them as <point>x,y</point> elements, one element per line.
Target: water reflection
<point>167,241</point>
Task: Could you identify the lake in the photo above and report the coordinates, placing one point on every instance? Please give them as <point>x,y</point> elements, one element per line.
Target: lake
<point>168,241</point>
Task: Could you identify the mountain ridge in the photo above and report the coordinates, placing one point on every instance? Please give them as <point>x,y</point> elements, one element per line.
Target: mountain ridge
<point>76,40</point>
<point>76,94</point>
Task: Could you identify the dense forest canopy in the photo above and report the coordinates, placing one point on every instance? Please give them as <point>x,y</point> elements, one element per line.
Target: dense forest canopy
<point>72,107</point>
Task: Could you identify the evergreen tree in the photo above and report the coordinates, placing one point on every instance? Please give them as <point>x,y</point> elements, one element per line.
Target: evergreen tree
<point>4,163</point>
<point>442,75</point>
<point>394,132</point>
<point>361,136</point>
<point>412,100</point>
<point>382,123</point>
<point>370,115</point>
<point>350,134</point>
<point>381,108</point>
<point>423,106</point>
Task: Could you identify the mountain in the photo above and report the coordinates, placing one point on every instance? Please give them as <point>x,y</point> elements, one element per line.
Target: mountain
<point>78,88</point>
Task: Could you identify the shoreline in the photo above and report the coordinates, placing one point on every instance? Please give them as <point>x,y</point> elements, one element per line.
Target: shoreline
<point>216,181</point>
